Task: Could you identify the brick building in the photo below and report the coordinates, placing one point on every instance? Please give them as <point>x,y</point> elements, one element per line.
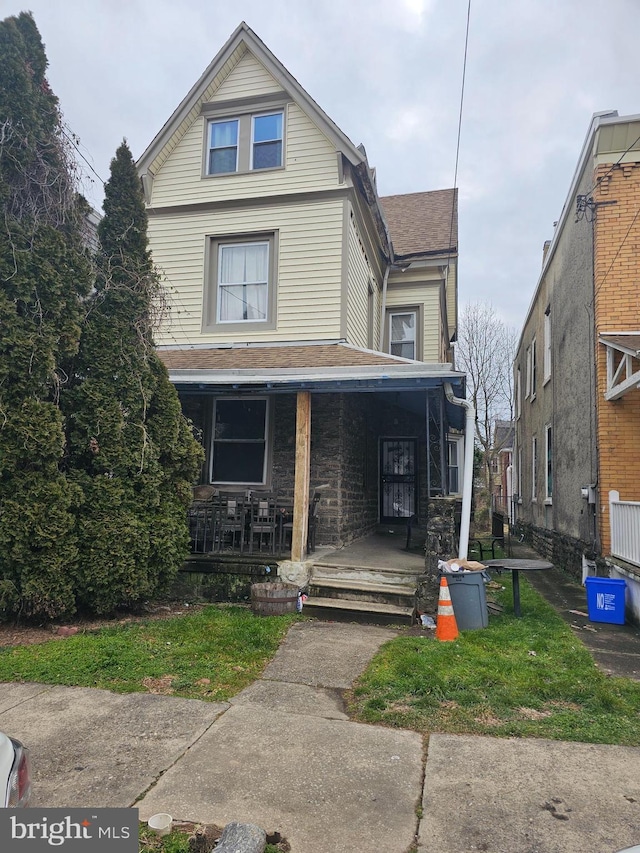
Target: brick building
<point>577,370</point>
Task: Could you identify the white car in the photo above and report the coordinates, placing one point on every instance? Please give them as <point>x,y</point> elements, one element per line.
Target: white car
<point>15,773</point>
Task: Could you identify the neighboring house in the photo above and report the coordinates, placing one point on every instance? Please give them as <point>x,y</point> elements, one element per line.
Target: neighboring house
<point>310,324</point>
<point>503,434</point>
<point>577,371</point>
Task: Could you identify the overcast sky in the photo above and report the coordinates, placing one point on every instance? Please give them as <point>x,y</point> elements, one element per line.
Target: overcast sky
<point>389,73</point>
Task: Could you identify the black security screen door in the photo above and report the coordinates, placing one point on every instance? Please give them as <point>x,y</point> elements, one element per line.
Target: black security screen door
<point>397,479</point>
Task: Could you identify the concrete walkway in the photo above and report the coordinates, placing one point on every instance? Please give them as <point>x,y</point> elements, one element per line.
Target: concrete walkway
<point>283,754</point>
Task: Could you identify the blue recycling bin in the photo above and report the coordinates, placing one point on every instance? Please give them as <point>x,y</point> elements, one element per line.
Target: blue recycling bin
<point>605,599</point>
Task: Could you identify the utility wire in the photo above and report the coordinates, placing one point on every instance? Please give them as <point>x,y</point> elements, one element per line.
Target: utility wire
<point>72,141</point>
<point>615,257</point>
<point>611,168</point>
<point>464,74</point>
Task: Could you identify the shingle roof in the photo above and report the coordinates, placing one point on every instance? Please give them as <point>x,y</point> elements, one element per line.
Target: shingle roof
<point>421,223</point>
<point>270,357</point>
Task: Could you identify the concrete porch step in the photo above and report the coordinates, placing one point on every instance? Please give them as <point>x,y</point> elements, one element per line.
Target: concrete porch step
<point>359,611</point>
<point>362,590</point>
<point>378,575</point>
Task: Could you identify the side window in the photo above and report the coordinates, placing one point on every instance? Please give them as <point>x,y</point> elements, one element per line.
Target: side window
<point>402,334</point>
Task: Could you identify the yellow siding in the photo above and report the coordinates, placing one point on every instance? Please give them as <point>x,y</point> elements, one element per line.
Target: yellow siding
<point>359,275</point>
<point>415,289</point>
<point>310,159</point>
<point>309,269</point>
<point>248,77</point>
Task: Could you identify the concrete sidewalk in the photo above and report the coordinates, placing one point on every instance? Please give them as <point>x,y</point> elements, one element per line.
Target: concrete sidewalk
<point>283,754</point>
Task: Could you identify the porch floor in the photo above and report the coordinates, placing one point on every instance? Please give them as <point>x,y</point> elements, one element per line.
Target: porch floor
<point>384,549</point>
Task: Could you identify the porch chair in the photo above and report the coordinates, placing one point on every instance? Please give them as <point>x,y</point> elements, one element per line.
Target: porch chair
<point>264,523</point>
<point>230,521</point>
<point>200,518</point>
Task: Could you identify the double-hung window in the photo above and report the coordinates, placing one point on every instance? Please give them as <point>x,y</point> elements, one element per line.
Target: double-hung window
<point>245,143</point>
<point>240,440</point>
<point>223,147</point>
<point>402,334</point>
<point>241,283</point>
<point>266,149</point>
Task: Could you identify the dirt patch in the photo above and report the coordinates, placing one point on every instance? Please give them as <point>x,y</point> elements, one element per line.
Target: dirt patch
<point>12,634</point>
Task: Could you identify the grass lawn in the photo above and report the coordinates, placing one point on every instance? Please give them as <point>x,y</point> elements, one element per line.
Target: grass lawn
<point>528,677</point>
<point>211,655</point>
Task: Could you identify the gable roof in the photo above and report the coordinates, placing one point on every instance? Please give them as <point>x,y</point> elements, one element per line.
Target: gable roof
<point>242,39</point>
<point>422,223</point>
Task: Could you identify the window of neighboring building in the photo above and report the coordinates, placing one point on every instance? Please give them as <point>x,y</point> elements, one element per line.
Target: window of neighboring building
<point>266,151</point>
<point>549,464</point>
<point>518,393</point>
<point>245,143</point>
<point>402,333</point>
<point>534,467</point>
<point>534,368</point>
<point>547,344</point>
<point>242,283</point>
<point>519,475</point>
<point>455,452</point>
<point>223,147</point>
<point>239,443</point>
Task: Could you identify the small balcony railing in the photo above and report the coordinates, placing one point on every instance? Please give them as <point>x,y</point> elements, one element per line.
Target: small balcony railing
<point>624,517</point>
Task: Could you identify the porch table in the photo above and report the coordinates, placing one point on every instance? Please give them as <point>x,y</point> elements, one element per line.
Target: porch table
<point>515,566</point>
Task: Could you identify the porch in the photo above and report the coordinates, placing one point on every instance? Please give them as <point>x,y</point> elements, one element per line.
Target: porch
<point>374,434</point>
<point>624,561</point>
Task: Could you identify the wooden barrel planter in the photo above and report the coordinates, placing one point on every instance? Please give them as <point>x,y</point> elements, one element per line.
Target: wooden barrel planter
<point>273,599</point>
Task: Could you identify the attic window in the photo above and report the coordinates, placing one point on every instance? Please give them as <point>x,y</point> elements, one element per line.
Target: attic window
<point>248,142</point>
<point>223,147</point>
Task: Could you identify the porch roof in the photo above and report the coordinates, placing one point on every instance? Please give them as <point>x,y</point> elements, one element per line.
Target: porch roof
<point>327,366</point>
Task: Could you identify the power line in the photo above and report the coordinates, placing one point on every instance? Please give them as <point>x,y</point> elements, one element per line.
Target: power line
<point>73,142</point>
<point>464,74</point>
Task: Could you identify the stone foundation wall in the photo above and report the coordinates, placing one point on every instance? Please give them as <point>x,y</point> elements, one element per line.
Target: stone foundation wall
<point>563,551</point>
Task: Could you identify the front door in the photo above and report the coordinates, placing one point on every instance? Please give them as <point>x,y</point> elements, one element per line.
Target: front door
<point>397,479</point>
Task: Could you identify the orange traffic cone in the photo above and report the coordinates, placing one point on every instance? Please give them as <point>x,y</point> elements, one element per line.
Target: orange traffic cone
<point>446,625</point>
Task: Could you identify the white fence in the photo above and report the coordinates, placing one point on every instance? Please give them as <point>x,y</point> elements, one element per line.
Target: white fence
<point>625,528</point>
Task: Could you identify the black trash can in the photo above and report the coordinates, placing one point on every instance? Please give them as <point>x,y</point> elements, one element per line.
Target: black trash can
<point>469,599</point>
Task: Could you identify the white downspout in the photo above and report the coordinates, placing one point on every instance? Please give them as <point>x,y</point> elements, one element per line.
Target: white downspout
<point>383,309</point>
<point>467,480</point>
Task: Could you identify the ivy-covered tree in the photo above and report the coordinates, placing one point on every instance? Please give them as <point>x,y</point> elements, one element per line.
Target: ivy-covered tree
<point>131,450</point>
<point>44,275</point>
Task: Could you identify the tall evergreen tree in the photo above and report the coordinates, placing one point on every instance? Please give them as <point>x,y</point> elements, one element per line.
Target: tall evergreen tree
<point>132,451</point>
<point>44,275</point>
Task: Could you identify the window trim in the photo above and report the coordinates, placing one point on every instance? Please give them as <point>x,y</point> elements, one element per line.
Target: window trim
<point>268,443</point>
<point>405,309</point>
<point>534,469</point>
<point>210,313</point>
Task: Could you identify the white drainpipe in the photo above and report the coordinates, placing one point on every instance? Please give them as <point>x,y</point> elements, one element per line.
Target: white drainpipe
<point>467,481</point>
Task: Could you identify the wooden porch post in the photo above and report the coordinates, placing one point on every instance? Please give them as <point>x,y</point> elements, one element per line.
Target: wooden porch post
<point>301,484</point>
